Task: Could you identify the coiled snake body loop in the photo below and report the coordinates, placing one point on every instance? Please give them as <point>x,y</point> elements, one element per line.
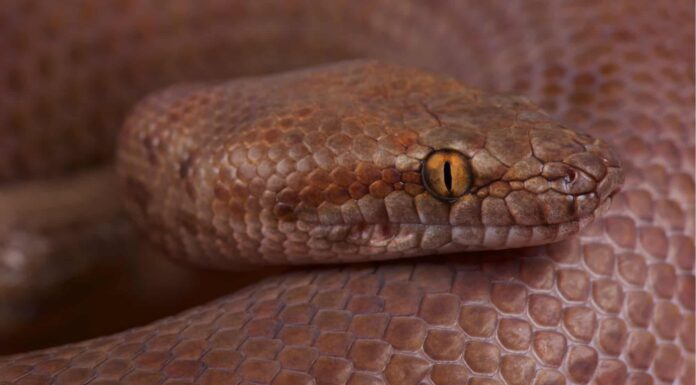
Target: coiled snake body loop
<point>367,160</point>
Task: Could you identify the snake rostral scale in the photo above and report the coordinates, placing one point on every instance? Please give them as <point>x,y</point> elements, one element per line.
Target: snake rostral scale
<point>367,161</point>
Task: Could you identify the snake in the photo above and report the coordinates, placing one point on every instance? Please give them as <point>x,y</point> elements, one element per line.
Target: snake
<point>475,193</point>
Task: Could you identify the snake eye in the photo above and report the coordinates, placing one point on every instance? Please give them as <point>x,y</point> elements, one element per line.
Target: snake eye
<point>446,174</point>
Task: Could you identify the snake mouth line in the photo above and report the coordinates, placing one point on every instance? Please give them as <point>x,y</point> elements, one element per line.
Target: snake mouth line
<point>384,242</point>
<point>420,239</point>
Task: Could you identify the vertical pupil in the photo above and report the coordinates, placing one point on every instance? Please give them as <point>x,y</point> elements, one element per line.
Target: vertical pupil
<point>448,176</point>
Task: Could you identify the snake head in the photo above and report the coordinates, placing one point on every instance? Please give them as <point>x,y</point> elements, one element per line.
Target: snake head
<point>355,161</point>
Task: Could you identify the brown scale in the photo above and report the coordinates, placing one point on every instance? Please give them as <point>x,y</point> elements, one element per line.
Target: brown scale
<point>621,71</point>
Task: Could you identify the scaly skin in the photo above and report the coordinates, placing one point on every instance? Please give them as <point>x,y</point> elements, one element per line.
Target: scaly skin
<point>324,166</point>
<point>614,305</point>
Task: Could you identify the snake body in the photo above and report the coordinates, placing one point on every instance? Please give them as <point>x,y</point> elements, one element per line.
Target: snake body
<point>326,165</point>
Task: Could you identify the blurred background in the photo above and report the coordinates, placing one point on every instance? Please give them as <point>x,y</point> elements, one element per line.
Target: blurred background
<point>71,266</point>
<point>84,278</point>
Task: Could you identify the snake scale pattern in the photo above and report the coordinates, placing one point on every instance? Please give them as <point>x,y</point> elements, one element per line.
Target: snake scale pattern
<point>327,165</point>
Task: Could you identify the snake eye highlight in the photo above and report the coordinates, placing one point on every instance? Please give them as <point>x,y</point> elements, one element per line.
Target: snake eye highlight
<point>446,174</point>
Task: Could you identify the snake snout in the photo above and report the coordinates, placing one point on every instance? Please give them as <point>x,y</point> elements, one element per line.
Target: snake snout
<point>596,169</point>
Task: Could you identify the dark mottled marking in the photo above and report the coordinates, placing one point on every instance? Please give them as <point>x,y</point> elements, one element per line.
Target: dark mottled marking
<point>138,192</point>
<point>185,166</point>
<point>149,145</point>
<point>187,221</point>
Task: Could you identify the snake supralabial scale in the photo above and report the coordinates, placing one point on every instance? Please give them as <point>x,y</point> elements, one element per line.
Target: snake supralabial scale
<point>367,161</point>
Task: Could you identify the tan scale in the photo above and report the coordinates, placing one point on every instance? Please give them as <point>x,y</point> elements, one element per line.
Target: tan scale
<point>323,165</point>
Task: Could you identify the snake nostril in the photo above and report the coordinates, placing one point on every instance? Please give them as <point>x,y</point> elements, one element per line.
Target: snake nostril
<point>571,175</point>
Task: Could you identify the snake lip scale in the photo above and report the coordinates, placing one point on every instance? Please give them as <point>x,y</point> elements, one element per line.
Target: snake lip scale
<point>465,192</point>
